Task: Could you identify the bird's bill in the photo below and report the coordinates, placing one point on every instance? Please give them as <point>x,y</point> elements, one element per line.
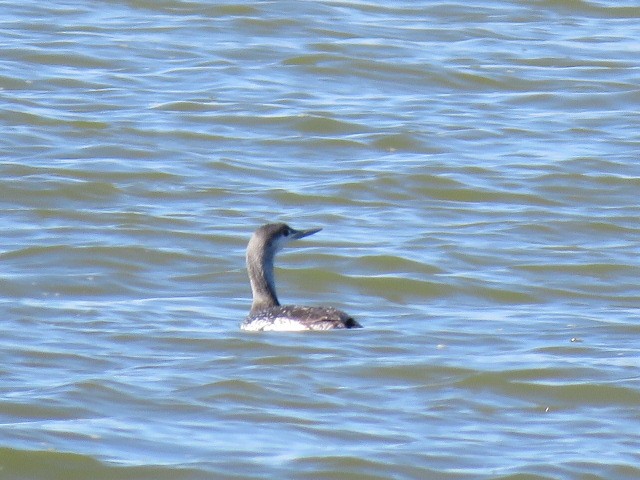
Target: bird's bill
<point>304,233</point>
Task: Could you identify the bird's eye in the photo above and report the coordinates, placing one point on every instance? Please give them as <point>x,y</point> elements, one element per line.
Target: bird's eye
<point>287,232</point>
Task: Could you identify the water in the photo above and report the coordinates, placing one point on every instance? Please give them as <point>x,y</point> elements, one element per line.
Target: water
<point>474,169</point>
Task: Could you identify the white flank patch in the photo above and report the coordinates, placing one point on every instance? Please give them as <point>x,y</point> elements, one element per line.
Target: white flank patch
<point>278,324</point>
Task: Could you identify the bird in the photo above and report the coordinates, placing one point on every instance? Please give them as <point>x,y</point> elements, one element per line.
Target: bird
<point>266,313</point>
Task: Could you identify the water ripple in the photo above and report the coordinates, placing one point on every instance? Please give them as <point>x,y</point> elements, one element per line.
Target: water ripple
<point>475,174</point>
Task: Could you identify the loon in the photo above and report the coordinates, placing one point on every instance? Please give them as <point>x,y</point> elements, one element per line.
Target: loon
<point>266,312</point>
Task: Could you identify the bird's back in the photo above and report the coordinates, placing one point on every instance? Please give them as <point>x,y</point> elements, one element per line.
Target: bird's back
<point>293,318</point>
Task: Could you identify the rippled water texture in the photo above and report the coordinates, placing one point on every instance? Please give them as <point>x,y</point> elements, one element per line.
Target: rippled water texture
<point>475,171</point>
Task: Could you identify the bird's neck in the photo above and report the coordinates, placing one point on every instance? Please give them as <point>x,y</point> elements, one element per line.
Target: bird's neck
<point>263,287</point>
